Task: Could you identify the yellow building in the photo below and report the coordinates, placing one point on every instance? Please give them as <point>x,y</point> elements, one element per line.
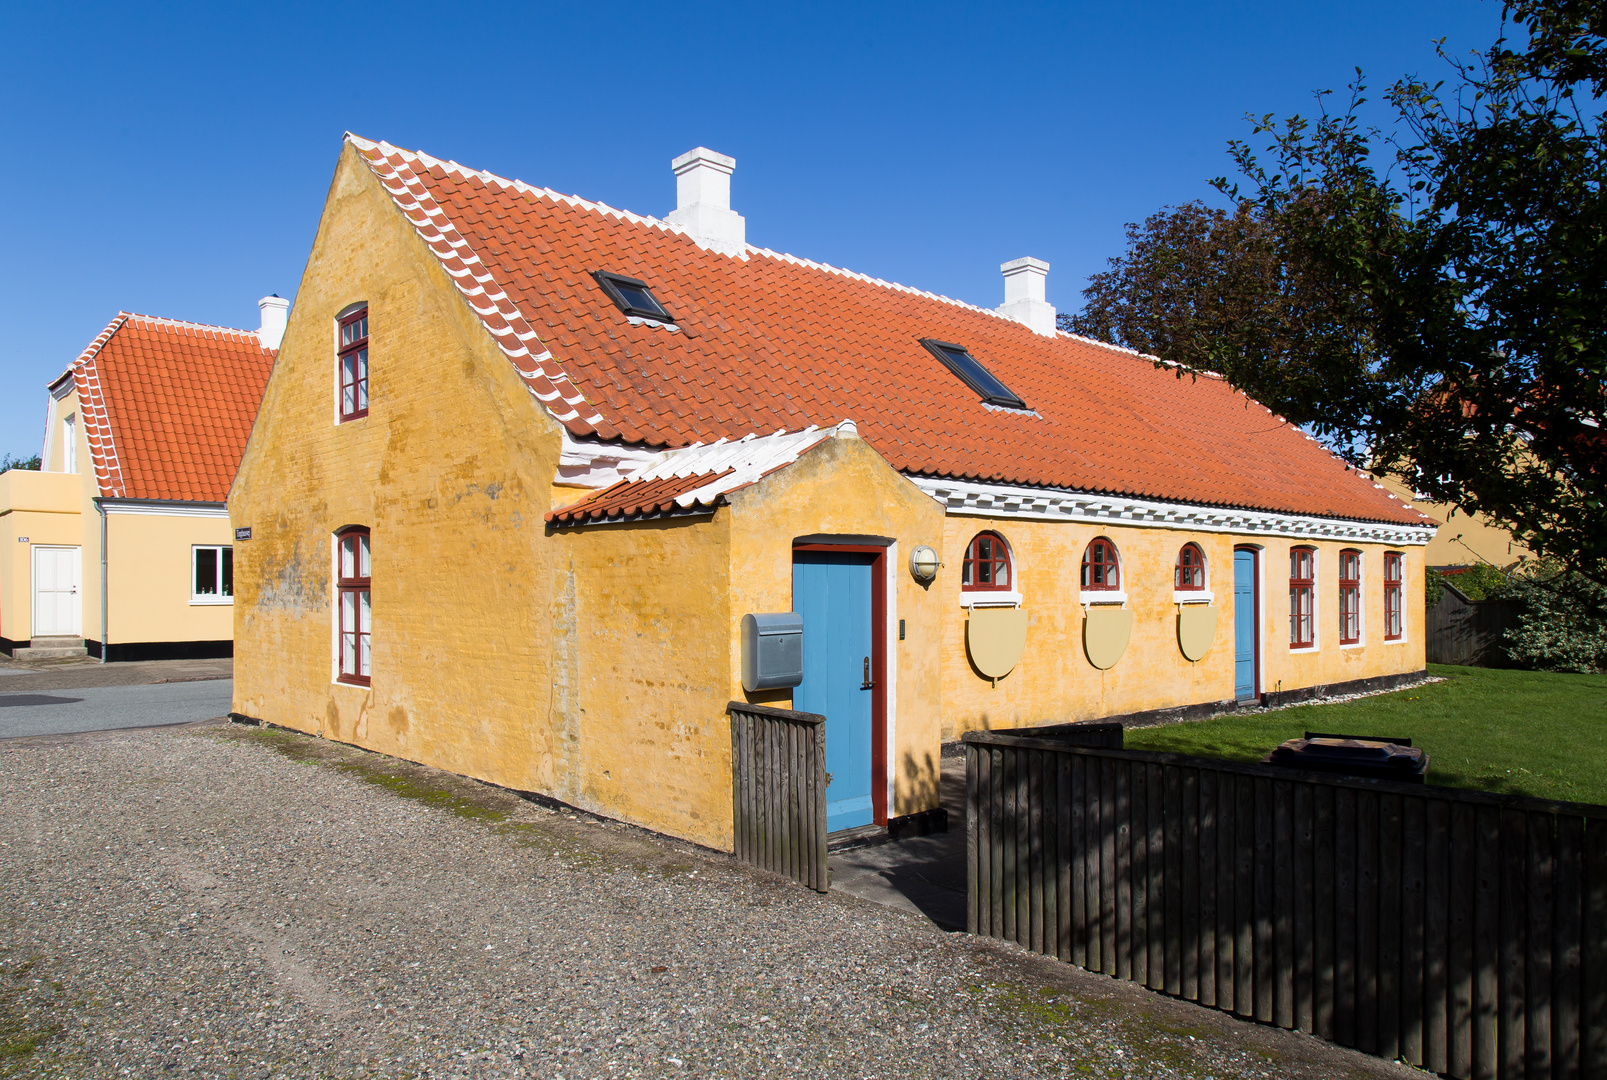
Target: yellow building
<point>526,462</point>
<point>1464,539</point>
<point>120,545</point>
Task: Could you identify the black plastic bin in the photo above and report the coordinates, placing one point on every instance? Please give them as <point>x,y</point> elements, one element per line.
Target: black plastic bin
<point>1354,755</point>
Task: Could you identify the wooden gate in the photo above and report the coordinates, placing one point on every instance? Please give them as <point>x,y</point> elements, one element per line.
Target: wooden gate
<point>778,791</point>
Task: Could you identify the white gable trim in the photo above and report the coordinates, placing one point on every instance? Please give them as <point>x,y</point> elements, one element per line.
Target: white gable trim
<point>1044,504</point>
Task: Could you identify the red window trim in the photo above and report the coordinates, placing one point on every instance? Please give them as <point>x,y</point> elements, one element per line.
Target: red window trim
<point>356,348</point>
<point>1197,570</point>
<point>968,575</point>
<point>1349,597</point>
<point>1113,579</point>
<point>1394,614</point>
<point>356,584</point>
<point>1307,587</point>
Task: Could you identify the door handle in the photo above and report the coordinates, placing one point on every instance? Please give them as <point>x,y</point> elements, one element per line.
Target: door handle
<point>868,685</point>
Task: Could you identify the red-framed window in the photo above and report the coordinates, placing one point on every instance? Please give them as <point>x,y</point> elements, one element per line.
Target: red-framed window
<point>355,608</point>
<point>1101,569</point>
<point>353,363</point>
<point>1302,597</point>
<point>1189,576</point>
<point>1349,597</point>
<point>1393,626</point>
<point>987,564</point>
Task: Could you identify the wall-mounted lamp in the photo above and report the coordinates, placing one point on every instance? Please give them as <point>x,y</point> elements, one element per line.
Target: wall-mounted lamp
<point>923,563</point>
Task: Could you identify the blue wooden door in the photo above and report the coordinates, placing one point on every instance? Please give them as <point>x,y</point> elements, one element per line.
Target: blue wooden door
<point>1244,625</point>
<point>833,594</point>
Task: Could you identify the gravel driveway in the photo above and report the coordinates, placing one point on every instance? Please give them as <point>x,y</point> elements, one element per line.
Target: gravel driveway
<point>238,902</point>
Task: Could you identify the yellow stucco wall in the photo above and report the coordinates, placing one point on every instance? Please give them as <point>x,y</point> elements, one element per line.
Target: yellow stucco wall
<point>451,470</point>
<point>148,565</point>
<point>1056,683</point>
<point>842,489</point>
<point>1464,539</point>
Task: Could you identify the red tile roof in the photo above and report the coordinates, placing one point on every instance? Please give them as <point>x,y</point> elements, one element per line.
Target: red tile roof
<point>773,342</point>
<point>167,406</point>
<point>627,499</point>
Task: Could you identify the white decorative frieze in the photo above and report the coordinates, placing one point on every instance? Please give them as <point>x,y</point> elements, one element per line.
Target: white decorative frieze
<point>1039,504</point>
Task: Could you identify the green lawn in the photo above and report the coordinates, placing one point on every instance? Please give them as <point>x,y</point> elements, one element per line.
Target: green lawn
<point>1523,732</point>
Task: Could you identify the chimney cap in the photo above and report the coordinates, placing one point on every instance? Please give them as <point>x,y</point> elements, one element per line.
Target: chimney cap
<point>1016,266</point>
<point>702,155</point>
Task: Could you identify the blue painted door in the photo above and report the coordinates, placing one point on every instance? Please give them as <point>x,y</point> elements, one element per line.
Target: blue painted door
<point>1244,625</point>
<point>833,594</point>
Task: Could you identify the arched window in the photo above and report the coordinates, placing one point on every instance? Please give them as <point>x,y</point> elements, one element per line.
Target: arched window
<point>1100,567</point>
<point>1302,597</point>
<point>354,609</point>
<point>1190,573</point>
<point>1349,597</point>
<point>987,564</point>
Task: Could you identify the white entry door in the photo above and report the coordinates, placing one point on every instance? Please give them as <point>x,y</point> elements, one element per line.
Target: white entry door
<point>56,607</point>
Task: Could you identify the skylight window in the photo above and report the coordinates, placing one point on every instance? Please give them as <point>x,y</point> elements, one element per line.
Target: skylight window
<point>973,374</point>
<point>633,297</point>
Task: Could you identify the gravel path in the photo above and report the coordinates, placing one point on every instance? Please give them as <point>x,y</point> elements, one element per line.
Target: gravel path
<point>237,902</point>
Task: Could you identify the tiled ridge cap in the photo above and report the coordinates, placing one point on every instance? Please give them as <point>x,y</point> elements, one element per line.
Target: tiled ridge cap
<point>244,336</point>
<point>447,165</point>
<point>536,366</point>
<point>92,410</point>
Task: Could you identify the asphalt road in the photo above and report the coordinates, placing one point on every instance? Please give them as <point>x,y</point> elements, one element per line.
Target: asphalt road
<point>104,708</point>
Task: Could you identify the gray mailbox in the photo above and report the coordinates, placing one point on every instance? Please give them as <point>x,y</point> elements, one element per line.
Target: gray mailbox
<point>772,650</point>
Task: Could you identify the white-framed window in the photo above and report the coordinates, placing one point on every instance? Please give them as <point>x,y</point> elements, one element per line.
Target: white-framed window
<point>354,624</point>
<point>212,574</point>
<point>69,443</point>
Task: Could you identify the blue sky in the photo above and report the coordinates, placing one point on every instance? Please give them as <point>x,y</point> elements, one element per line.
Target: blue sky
<point>173,160</point>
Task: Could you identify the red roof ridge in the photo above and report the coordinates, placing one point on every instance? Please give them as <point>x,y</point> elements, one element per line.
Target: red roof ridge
<point>595,206</point>
<point>183,324</point>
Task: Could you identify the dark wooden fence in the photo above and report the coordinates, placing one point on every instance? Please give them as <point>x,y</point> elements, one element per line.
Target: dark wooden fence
<point>1465,933</point>
<point>1463,631</point>
<point>778,790</point>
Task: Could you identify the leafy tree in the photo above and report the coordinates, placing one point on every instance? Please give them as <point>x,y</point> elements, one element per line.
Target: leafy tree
<point>8,462</point>
<point>1440,317</point>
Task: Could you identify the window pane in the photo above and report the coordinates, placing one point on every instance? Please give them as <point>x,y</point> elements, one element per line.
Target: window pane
<point>348,564</point>
<point>362,379</point>
<point>228,571</point>
<point>363,656</point>
<point>365,622</point>
<point>206,571</point>
<point>363,560</point>
<point>348,654</point>
<point>362,326</point>
<point>979,376</point>
<point>1001,572</point>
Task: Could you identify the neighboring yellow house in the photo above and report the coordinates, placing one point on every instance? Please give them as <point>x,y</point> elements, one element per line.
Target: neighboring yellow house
<point>526,462</point>
<point>1464,539</point>
<point>120,545</point>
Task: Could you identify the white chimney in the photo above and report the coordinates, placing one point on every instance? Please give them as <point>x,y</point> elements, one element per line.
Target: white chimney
<point>1023,295</point>
<point>275,314</point>
<point>703,198</point>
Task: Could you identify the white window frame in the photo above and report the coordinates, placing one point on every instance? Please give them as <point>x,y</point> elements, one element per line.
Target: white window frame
<point>1361,600</point>
<point>69,443</point>
<point>217,599</point>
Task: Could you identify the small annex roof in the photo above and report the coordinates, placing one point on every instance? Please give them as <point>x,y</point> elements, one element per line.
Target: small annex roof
<point>167,406</point>
<point>766,341</point>
<point>691,480</point>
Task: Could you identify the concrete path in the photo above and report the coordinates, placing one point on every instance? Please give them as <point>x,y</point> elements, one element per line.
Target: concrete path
<point>103,708</point>
<point>924,875</point>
